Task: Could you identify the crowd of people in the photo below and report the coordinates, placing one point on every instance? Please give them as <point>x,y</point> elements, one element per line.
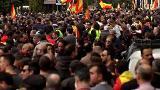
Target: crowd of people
<point>64,51</point>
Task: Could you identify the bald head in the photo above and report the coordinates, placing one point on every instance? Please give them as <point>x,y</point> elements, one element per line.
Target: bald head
<point>145,72</point>
<point>53,80</point>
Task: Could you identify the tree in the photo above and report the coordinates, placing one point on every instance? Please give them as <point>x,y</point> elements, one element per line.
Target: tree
<point>36,5</point>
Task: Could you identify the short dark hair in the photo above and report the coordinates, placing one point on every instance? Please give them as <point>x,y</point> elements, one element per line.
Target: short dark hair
<point>44,63</point>
<point>70,30</point>
<point>69,49</point>
<point>98,43</point>
<point>48,29</point>
<point>87,47</point>
<point>101,69</point>
<point>35,82</point>
<point>34,66</point>
<point>9,57</point>
<point>121,66</point>
<point>76,65</point>
<point>83,74</point>
<point>144,47</point>
<point>96,26</point>
<point>95,58</point>
<point>7,78</point>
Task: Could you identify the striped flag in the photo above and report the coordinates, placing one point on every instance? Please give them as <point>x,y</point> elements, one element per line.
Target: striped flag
<point>13,12</point>
<point>79,6</point>
<point>72,8</point>
<point>105,5</point>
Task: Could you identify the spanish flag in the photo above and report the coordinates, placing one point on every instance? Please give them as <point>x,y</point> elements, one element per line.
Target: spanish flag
<point>72,8</point>
<point>79,6</point>
<point>13,12</point>
<point>105,5</point>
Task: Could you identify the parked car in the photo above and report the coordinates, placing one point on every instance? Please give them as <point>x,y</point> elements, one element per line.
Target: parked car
<point>133,54</point>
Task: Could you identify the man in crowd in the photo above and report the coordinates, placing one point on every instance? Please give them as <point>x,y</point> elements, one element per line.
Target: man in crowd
<point>100,77</point>
<point>144,75</point>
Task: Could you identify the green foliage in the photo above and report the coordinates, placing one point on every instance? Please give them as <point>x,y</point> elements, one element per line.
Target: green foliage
<point>36,5</point>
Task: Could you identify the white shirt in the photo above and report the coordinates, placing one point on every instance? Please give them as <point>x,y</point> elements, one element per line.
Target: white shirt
<point>145,86</point>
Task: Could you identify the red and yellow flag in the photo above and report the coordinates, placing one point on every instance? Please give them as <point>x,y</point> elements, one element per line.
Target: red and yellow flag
<point>13,12</point>
<point>72,8</point>
<point>79,6</point>
<point>105,5</point>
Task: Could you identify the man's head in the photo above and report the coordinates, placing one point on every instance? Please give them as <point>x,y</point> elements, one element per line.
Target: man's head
<point>144,73</point>
<point>98,73</point>
<point>27,49</point>
<point>53,81</point>
<point>45,63</point>
<point>69,30</point>
<point>30,69</point>
<point>24,38</point>
<point>6,81</point>
<point>97,47</point>
<point>70,50</point>
<point>26,72</point>
<point>88,25</point>
<point>81,76</point>
<point>109,41</point>
<point>6,61</point>
<point>75,65</point>
<point>37,38</point>
<point>60,46</point>
<point>147,55</point>
<point>106,55</point>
